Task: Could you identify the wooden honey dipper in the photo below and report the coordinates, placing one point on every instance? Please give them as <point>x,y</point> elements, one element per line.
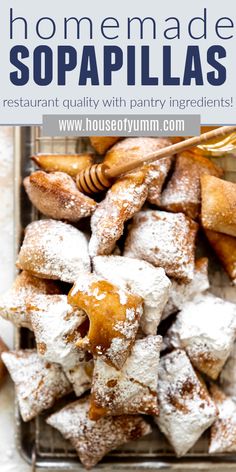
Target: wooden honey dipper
<point>100,176</point>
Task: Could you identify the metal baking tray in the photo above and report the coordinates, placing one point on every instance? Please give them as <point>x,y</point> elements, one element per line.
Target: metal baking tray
<point>39,444</point>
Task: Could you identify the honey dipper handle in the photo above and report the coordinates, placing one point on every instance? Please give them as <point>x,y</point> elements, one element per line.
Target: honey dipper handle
<point>221,132</point>
<point>100,176</point>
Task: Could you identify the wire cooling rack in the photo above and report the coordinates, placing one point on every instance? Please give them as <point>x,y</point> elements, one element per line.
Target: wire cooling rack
<point>41,445</point>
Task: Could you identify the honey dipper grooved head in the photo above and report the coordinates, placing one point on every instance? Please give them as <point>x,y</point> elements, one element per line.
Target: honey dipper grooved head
<point>93,179</point>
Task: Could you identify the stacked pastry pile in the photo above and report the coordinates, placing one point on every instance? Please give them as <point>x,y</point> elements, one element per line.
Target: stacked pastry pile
<point>97,303</point>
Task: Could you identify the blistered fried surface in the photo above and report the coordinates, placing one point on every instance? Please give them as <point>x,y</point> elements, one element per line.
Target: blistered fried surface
<point>218,205</point>
<point>57,196</point>
<point>121,202</point>
<point>114,316</point>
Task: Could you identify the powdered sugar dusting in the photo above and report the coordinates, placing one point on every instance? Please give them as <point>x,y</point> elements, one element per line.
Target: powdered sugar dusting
<point>223,431</point>
<point>165,240</point>
<point>122,201</point>
<point>93,439</point>
<point>206,329</point>
<point>183,193</point>
<point>133,389</point>
<point>181,293</point>
<point>137,148</point>
<point>56,328</point>
<point>38,384</point>
<point>54,250</point>
<point>186,409</point>
<point>114,317</point>
<point>16,303</point>
<point>157,174</point>
<point>141,278</point>
<point>57,196</point>
<point>80,377</point>
<point>228,374</point>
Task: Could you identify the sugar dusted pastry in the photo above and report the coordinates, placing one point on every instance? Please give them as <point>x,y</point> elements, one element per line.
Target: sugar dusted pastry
<point>139,277</point>
<point>3,370</point>
<point>165,240</point>
<point>218,205</point>
<point>71,164</point>
<point>114,316</point>
<point>131,390</point>
<point>57,328</point>
<point>228,375</point>
<point>183,191</point>
<point>225,248</point>
<point>180,293</point>
<point>92,440</point>
<point>223,431</point>
<point>80,376</point>
<point>57,196</point>
<point>54,250</point>
<point>157,173</point>
<point>121,202</point>
<point>17,303</point>
<point>130,149</point>
<point>206,329</point>
<point>38,383</point>
<point>35,286</point>
<point>129,193</point>
<point>186,408</point>
<point>102,143</point>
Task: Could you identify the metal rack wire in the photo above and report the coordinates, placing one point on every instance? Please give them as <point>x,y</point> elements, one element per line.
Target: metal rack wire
<point>43,446</point>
